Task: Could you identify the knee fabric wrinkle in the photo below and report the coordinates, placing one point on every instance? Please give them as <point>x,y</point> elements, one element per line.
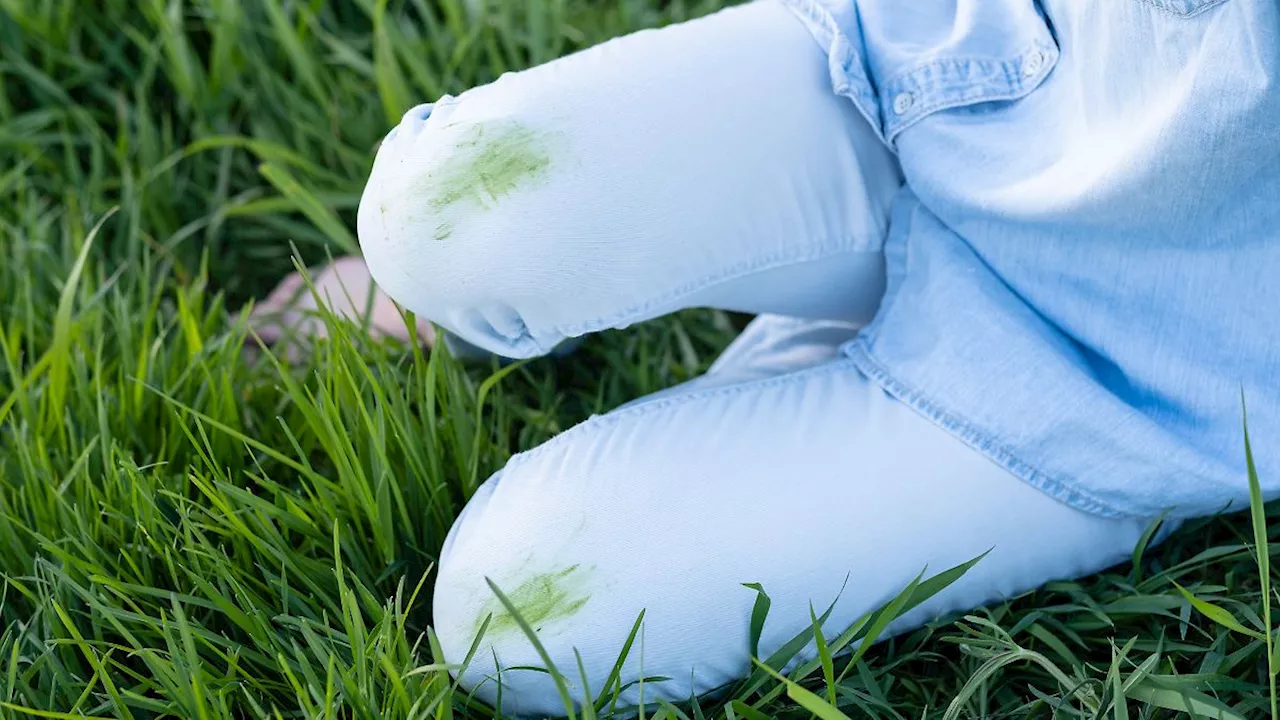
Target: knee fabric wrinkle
<point>638,510</point>
<point>619,184</point>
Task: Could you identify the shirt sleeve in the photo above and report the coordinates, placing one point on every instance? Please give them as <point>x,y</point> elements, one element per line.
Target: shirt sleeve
<point>835,26</point>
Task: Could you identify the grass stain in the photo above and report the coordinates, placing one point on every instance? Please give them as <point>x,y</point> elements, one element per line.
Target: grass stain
<point>489,162</point>
<point>539,599</point>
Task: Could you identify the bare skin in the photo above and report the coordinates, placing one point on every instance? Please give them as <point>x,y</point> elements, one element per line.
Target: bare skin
<point>288,318</point>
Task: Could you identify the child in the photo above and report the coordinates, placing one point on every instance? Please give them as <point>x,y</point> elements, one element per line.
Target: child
<point>1015,262</point>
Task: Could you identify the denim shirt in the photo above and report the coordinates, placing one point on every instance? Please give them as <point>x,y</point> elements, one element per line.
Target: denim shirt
<point>1084,264</point>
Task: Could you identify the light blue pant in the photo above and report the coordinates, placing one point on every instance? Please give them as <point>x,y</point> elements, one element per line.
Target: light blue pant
<point>705,164</point>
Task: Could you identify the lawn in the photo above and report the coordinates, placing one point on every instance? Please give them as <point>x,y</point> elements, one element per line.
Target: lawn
<point>188,532</point>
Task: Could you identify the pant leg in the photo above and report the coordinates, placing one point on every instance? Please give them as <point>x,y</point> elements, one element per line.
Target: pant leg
<point>769,346</point>
<point>703,164</point>
<point>784,466</point>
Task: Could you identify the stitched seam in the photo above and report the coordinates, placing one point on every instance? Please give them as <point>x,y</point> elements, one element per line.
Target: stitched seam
<point>954,103</point>
<point>1195,10</point>
<point>1001,61</point>
<point>979,439</point>
<point>733,272</point>
<point>820,19</point>
<point>676,401</point>
<point>1021,90</point>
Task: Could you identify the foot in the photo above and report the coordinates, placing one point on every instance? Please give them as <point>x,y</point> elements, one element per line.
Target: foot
<point>290,318</point>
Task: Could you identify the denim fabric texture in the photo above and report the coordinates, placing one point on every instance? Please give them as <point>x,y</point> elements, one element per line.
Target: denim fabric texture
<point>1082,262</point>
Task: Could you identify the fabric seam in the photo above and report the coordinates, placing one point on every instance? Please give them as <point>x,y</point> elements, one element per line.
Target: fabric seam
<point>819,20</point>
<point>930,109</point>
<point>1163,6</point>
<point>901,76</point>
<point>985,94</point>
<point>977,438</point>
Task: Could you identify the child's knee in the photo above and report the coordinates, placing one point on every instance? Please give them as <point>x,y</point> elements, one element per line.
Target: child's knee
<point>578,536</point>
<point>448,223</point>
<point>524,549</point>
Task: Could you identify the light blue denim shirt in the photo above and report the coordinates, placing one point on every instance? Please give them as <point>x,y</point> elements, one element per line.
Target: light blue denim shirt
<point>1084,265</point>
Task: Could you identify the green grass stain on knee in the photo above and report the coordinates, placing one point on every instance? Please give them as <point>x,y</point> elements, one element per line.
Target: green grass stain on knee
<point>487,163</point>
<point>539,599</point>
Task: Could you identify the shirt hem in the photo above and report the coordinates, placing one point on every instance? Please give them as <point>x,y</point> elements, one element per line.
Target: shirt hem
<point>858,351</point>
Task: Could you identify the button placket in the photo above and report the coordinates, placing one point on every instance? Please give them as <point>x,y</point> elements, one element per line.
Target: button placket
<point>949,83</point>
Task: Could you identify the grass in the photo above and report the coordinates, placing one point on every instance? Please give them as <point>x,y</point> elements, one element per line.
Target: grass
<point>185,533</point>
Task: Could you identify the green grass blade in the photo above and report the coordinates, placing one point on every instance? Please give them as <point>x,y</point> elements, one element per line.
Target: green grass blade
<point>1217,614</point>
<point>1192,702</point>
<point>759,613</point>
<point>562,686</point>
<point>308,204</point>
<point>1258,516</point>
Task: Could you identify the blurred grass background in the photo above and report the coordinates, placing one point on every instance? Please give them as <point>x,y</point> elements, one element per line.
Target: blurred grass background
<point>185,533</point>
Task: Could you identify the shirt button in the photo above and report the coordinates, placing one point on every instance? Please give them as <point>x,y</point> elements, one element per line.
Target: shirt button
<point>1034,63</point>
<point>902,102</point>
